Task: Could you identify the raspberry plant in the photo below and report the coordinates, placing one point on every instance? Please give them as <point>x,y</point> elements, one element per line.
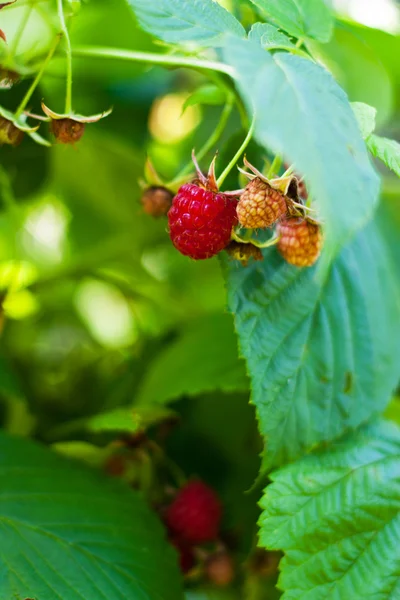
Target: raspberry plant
<point>174,334</point>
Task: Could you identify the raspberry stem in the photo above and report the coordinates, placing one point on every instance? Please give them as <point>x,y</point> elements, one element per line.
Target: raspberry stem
<point>166,60</point>
<point>37,79</point>
<point>238,154</point>
<point>64,31</point>
<point>213,139</point>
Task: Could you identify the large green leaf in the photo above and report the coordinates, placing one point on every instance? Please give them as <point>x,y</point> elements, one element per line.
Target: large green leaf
<point>177,21</point>
<point>269,37</point>
<point>203,358</point>
<point>322,355</point>
<point>388,151</point>
<point>353,55</point>
<point>303,114</point>
<point>67,532</point>
<point>301,18</point>
<point>337,516</point>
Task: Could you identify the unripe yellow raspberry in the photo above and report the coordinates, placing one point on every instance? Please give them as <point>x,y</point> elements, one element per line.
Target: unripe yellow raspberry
<point>260,205</point>
<point>300,241</point>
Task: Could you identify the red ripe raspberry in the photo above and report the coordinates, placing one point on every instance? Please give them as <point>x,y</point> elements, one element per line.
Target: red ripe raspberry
<point>201,221</point>
<point>300,241</point>
<point>195,514</point>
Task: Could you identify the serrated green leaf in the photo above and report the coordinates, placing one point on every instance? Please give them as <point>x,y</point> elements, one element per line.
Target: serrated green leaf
<point>337,517</point>
<point>206,94</point>
<point>204,22</point>
<point>269,36</point>
<point>301,18</point>
<point>322,355</point>
<point>366,117</point>
<point>388,151</point>
<point>68,532</point>
<point>298,108</point>
<point>204,358</point>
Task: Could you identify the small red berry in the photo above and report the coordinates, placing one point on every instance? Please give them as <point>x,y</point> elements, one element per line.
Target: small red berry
<point>201,218</point>
<point>201,221</point>
<point>195,514</point>
<point>300,241</point>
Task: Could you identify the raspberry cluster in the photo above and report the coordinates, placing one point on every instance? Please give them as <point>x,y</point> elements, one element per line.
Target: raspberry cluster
<point>279,203</point>
<point>202,219</point>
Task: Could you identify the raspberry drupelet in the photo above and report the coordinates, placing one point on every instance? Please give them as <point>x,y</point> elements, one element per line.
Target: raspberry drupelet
<point>201,218</point>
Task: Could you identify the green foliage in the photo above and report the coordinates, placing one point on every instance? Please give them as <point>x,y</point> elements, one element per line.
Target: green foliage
<point>103,323</point>
<point>269,36</point>
<point>300,18</point>
<point>336,515</point>
<point>322,355</point>
<point>203,358</point>
<point>353,55</point>
<point>297,107</point>
<point>201,21</point>
<point>366,116</point>
<point>68,532</point>
<point>206,94</point>
<point>388,151</point>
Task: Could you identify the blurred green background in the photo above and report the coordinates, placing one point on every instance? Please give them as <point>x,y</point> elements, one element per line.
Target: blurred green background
<point>99,313</point>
